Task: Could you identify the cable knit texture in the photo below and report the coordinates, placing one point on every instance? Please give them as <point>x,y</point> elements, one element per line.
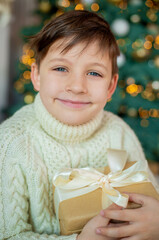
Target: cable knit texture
<point>33,146</point>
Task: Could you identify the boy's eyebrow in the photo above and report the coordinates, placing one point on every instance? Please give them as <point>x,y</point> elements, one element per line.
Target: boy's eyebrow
<point>59,59</point>
<point>99,64</point>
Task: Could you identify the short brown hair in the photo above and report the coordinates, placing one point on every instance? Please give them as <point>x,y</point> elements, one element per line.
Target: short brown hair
<point>79,26</point>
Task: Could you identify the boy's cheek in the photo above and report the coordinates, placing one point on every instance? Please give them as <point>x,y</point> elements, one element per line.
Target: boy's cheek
<point>101,97</point>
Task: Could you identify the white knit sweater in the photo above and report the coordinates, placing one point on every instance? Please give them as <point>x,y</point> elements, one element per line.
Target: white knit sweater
<point>33,146</point>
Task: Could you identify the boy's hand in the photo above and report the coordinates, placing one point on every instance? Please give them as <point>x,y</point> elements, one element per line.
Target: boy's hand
<point>143,222</point>
<point>89,230</point>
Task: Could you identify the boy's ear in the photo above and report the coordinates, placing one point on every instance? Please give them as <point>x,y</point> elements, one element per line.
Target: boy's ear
<point>35,76</point>
<point>112,85</point>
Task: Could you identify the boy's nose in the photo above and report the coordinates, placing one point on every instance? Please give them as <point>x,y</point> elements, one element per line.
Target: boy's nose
<point>76,84</point>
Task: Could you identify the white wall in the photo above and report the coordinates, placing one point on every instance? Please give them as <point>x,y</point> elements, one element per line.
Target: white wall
<point>11,44</point>
<point>4,66</point>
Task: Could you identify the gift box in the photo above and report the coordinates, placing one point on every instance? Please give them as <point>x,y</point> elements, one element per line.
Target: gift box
<point>80,194</point>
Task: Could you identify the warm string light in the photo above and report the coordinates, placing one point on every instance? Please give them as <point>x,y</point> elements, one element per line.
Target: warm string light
<point>123,5</point>
<point>157,39</point>
<point>151,14</point>
<point>45,6</point>
<point>124,44</point>
<point>142,47</point>
<point>121,42</point>
<point>79,6</point>
<point>28,56</point>
<point>156,61</point>
<point>151,41</point>
<point>19,86</point>
<point>149,3</point>
<point>134,89</point>
<point>149,38</point>
<point>145,114</point>
<point>29,98</point>
<point>95,7</point>
<point>135,18</point>
<point>150,92</point>
<point>147,45</point>
<point>132,112</point>
<point>137,44</point>
<point>156,43</point>
<point>26,59</point>
<point>152,4</point>
<point>130,80</point>
<point>144,123</point>
<point>64,3</point>
<point>141,51</point>
<point>27,75</point>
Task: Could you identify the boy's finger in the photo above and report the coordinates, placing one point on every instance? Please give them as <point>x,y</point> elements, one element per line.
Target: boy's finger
<point>139,198</point>
<point>118,232</point>
<point>113,206</point>
<point>127,215</point>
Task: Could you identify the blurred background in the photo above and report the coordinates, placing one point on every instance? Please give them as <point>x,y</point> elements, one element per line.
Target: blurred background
<point>135,24</point>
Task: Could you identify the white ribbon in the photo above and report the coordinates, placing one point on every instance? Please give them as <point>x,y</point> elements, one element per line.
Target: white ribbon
<point>76,182</point>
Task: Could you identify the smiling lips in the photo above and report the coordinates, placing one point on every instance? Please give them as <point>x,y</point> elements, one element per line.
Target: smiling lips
<point>73,104</point>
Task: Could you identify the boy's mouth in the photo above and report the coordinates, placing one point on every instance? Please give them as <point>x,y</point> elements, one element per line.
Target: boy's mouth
<point>73,104</point>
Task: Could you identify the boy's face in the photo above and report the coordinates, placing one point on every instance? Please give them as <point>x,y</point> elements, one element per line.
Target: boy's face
<point>75,86</point>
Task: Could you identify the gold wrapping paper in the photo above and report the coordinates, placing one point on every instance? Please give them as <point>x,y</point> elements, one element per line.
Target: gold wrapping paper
<point>74,213</point>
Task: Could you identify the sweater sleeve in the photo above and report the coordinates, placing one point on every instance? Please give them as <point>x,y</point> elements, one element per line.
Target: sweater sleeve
<point>36,236</point>
<point>15,223</point>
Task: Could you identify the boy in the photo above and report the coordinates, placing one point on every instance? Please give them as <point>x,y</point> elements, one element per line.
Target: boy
<point>75,73</point>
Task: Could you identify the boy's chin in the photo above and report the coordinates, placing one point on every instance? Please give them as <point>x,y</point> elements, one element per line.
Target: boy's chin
<point>74,121</point>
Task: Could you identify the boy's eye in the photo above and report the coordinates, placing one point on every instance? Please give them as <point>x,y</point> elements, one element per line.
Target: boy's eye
<point>60,69</point>
<point>94,74</point>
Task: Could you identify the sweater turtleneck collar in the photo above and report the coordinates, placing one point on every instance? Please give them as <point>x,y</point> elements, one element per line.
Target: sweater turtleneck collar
<point>63,132</point>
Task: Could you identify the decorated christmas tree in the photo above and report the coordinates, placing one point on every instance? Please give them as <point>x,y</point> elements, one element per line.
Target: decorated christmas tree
<point>135,24</point>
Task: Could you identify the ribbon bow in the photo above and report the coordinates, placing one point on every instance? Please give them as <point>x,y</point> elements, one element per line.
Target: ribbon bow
<point>76,182</point>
